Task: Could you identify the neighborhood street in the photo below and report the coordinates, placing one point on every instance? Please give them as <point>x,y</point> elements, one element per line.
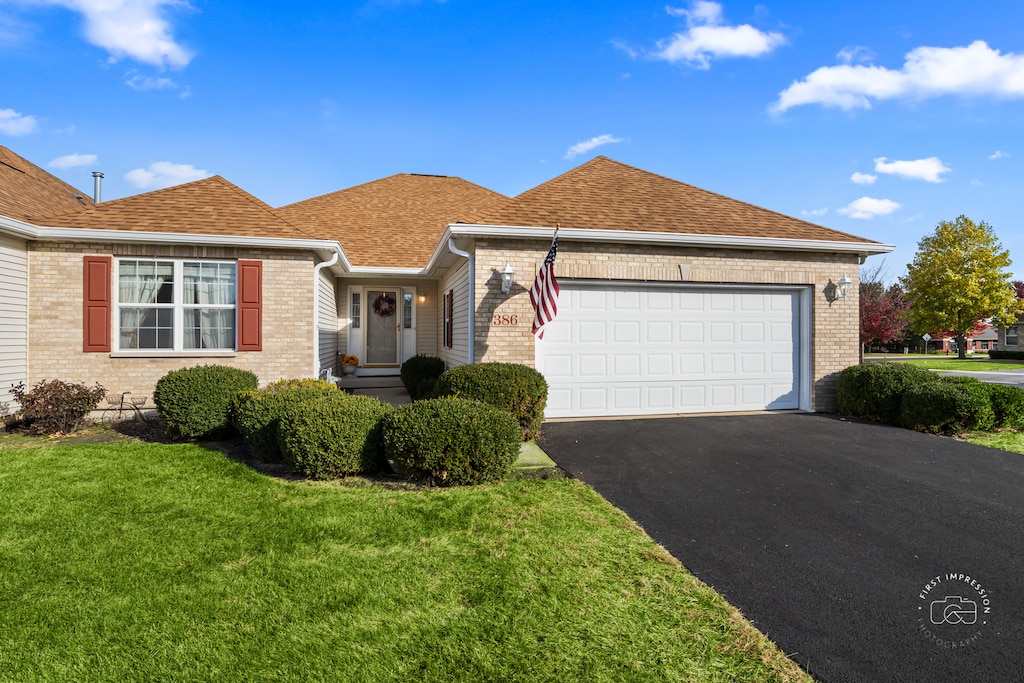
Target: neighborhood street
<point>867,552</point>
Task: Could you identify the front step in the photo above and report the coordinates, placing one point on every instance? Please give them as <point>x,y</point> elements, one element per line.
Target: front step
<point>379,382</point>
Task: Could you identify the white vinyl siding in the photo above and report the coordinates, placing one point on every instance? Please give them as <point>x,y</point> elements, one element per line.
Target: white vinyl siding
<point>13,317</point>
<point>327,321</point>
<point>457,280</point>
<point>641,350</point>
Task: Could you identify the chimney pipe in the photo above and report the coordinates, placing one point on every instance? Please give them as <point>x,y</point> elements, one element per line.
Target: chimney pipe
<point>97,184</point>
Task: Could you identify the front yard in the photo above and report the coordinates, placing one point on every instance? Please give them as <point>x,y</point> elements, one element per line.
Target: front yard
<point>167,561</point>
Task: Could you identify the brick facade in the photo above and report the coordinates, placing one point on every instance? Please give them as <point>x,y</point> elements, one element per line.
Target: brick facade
<point>55,318</point>
<point>834,328</point>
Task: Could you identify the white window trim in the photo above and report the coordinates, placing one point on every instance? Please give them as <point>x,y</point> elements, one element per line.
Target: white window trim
<point>179,307</point>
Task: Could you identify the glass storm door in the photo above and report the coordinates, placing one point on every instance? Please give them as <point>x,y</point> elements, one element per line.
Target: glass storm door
<point>383,326</point>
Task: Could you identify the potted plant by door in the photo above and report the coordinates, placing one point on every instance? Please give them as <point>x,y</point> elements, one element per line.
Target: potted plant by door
<point>349,364</point>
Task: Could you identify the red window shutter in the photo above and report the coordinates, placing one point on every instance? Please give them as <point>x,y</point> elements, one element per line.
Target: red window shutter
<point>250,305</point>
<point>97,306</point>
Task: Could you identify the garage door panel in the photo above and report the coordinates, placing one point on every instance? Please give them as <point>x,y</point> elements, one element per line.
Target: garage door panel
<point>595,332</point>
<point>593,366</point>
<point>625,332</point>
<point>631,350</point>
<point>722,333</point>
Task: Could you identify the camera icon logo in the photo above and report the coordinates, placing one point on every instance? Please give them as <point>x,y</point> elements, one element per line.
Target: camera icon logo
<point>954,609</point>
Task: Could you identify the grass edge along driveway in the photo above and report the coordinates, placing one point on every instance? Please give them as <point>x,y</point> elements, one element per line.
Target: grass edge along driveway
<point>145,561</point>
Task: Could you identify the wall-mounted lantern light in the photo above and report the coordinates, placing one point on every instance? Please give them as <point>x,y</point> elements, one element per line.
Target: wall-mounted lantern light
<point>506,278</point>
<point>844,286</point>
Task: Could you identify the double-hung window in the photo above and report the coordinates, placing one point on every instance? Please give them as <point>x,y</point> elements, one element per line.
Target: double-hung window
<point>1011,335</point>
<point>176,305</point>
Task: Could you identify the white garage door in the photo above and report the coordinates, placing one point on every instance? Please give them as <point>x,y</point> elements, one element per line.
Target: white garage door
<point>636,350</point>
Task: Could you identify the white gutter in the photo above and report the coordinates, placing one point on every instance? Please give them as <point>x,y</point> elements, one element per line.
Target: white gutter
<point>472,296</point>
<point>316,309</point>
<point>660,238</point>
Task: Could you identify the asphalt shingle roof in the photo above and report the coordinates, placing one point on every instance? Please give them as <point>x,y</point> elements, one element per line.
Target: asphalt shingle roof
<point>604,194</point>
<point>212,206</point>
<point>392,222</point>
<point>27,191</point>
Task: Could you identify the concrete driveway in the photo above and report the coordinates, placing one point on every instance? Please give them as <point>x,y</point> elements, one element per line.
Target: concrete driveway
<point>860,549</point>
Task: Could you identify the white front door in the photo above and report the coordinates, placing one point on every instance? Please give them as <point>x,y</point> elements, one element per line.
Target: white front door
<point>638,350</point>
<point>383,318</point>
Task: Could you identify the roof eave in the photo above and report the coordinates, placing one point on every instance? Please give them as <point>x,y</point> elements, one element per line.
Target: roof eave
<point>666,238</point>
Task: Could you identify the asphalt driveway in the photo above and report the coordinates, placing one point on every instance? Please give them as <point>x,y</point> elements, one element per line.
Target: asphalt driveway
<point>867,552</point>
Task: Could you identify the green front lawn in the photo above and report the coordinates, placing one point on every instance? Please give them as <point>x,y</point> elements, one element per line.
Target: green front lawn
<point>129,561</point>
<point>979,364</point>
<point>1005,440</point>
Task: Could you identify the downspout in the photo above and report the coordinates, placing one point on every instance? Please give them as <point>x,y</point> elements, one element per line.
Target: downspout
<point>316,310</point>
<point>472,296</point>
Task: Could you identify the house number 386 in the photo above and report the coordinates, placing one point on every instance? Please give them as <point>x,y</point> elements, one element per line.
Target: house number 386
<point>505,320</point>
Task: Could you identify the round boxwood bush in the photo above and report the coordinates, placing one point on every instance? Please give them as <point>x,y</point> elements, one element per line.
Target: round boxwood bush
<point>256,413</point>
<point>1007,404</point>
<point>948,405</point>
<point>518,389</point>
<point>195,401</point>
<point>451,441</point>
<point>875,390</point>
<point>332,434</point>
<point>419,375</point>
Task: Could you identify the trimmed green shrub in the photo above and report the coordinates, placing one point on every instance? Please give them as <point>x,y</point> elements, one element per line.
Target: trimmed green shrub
<point>256,413</point>
<point>451,441</point>
<point>518,389</point>
<point>875,390</point>
<point>1006,355</point>
<point>195,401</point>
<point>948,405</point>
<point>332,434</point>
<point>1007,404</point>
<point>55,407</point>
<point>419,375</point>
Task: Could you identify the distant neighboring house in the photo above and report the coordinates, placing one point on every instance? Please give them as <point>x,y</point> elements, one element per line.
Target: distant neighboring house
<point>981,340</point>
<point>1009,336</point>
<point>673,299</point>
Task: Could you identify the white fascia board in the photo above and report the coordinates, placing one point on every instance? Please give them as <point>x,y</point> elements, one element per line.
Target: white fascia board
<point>675,239</point>
<point>374,271</point>
<point>42,233</point>
<point>16,228</point>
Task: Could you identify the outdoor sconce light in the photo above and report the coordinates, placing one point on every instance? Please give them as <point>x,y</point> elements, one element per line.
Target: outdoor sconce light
<point>421,297</point>
<point>844,286</point>
<point>506,278</point>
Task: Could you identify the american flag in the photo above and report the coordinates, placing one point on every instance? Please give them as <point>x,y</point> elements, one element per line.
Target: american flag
<point>544,293</point>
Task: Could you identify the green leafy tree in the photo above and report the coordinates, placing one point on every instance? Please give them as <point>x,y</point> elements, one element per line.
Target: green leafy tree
<point>959,278</point>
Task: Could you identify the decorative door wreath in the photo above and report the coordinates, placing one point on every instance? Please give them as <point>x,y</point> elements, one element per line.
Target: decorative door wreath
<point>384,306</point>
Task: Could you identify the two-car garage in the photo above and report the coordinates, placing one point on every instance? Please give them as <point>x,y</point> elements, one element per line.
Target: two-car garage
<point>648,349</point>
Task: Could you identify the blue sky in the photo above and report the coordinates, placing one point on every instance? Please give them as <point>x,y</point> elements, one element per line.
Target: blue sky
<point>875,118</point>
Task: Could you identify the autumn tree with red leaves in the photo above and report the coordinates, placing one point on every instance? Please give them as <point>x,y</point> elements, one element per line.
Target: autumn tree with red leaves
<point>883,310</point>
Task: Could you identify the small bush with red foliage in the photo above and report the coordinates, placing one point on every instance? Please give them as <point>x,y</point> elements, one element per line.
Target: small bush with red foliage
<point>55,407</point>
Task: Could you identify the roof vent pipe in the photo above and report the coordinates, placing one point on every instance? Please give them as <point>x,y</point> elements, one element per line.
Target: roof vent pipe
<point>97,185</point>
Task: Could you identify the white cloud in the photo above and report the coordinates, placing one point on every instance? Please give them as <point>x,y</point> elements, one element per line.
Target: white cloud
<point>869,207</point>
<point>815,212</point>
<point>929,169</point>
<point>708,37</point>
<point>592,143</point>
<point>15,124</point>
<point>161,174</point>
<point>73,161</point>
<point>863,178</point>
<point>142,83</point>
<point>972,71</point>
<point>998,154</point>
<point>855,53</point>
<point>976,183</point>
<point>136,29</point>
